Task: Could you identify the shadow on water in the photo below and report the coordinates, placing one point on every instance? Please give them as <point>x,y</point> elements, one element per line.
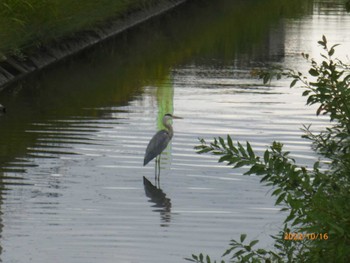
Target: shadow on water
<point>162,204</point>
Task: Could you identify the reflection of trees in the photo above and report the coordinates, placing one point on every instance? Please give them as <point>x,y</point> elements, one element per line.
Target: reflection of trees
<point>162,204</point>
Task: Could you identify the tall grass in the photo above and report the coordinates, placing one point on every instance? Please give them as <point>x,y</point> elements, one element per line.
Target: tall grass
<point>25,23</point>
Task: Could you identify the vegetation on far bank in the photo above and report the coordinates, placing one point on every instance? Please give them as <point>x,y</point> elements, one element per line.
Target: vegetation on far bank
<point>27,23</point>
<point>316,199</point>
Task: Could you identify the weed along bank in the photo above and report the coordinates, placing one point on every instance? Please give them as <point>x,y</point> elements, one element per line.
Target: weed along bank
<point>36,35</point>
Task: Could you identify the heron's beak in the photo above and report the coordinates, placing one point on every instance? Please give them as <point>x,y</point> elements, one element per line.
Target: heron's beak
<point>177,117</point>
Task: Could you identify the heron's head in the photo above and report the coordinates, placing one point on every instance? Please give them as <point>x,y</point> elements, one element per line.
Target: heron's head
<point>167,117</point>
<point>170,116</point>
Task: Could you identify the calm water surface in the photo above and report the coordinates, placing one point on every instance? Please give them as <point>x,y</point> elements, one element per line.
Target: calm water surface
<point>73,141</point>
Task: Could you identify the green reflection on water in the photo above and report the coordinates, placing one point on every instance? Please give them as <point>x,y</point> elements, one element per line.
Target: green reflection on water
<point>165,95</point>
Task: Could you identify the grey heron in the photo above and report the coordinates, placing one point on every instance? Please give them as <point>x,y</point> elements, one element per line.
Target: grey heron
<point>159,142</point>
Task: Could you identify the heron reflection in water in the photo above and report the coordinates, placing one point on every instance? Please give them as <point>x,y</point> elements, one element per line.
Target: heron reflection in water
<point>159,142</point>
<point>162,203</point>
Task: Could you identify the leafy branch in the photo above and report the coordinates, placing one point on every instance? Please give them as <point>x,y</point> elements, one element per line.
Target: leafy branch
<point>329,88</point>
<point>316,198</point>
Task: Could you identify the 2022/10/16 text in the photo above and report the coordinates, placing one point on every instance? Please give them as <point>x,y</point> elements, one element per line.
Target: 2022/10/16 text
<point>301,236</point>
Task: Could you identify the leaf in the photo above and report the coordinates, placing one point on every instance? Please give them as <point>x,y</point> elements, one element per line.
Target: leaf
<point>285,154</point>
<point>222,142</point>
<point>243,237</point>
<point>335,46</point>
<point>228,251</point>
<point>254,242</point>
<point>280,198</point>
<point>311,100</point>
<point>235,150</point>
<point>242,150</point>
<point>250,151</point>
<point>306,92</point>
<point>325,64</point>
<point>265,178</point>
<point>257,169</point>
<point>204,150</point>
<point>233,159</point>
<point>266,156</point>
<point>324,39</point>
<point>331,52</point>
<point>277,191</point>
<point>193,259</point>
<point>229,142</point>
<point>261,251</point>
<point>292,84</point>
<point>248,248</point>
<point>240,164</point>
<point>238,253</point>
<point>290,217</point>
<point>314,72</point>
<point>225,158</point>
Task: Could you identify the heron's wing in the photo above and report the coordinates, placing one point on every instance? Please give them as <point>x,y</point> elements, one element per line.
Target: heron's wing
<point>157,144</point>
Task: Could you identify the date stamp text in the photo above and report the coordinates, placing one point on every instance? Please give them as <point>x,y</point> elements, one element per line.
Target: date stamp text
<point>308,236</point>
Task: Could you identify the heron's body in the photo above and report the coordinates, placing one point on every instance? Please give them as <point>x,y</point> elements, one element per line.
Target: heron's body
<point>159,141</point>
<point>157,145</point>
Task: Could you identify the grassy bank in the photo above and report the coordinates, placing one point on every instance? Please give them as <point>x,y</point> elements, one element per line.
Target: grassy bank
<point>26,23</point>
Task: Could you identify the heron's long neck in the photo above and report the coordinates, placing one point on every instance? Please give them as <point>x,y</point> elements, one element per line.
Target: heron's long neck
<point>170,129</point>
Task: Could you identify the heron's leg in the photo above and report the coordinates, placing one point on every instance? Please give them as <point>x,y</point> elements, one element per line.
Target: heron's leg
<point>155,170</point>
<point>159,168</point>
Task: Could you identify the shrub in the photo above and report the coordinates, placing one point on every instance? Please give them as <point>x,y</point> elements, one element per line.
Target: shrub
<point>316,199</point>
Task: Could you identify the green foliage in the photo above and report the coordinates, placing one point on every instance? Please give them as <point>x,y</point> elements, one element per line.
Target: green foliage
<point>244,252</point>
<point>26,23</point>
<point>315,198</point>
<point>330,90</point>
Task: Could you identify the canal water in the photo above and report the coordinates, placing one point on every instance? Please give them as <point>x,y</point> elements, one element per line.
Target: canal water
<point>73,185</point>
